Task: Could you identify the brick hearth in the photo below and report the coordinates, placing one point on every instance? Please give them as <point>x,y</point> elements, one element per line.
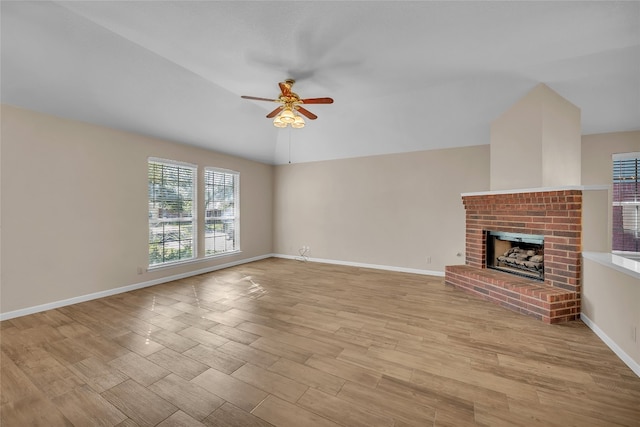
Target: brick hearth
<point>557,215</point>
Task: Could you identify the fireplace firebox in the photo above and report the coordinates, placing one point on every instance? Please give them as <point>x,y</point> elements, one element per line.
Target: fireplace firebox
<point>516,253</point>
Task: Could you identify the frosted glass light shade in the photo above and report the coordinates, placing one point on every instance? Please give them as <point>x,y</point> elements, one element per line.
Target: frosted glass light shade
<point>277,122</point>
<point>298,122</point>
<point>287,115</point>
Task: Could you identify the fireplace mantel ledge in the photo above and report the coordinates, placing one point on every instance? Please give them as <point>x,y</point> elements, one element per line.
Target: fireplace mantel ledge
<point>539,190</point>
<point>621,264</point>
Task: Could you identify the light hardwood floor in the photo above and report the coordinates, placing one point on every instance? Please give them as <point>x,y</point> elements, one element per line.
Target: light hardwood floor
<point>288,343</point>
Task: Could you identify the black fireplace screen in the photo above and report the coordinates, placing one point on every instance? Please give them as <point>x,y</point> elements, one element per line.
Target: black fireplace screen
<point>516,253</point>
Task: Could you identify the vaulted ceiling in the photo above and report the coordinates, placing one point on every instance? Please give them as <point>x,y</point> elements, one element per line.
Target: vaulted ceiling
<point>405,76</point>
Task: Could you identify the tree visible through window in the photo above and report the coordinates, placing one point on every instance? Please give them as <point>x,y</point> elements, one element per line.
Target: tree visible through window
<point>626,202</point>
<point>171,211</point>
<point>222,225</point>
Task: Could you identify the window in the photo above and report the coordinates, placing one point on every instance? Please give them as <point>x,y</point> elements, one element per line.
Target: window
<point>171,211</point>
<point>626,202</point>
<point>222,222</point>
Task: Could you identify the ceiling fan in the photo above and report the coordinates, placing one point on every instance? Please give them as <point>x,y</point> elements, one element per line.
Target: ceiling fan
<point>287,113</point>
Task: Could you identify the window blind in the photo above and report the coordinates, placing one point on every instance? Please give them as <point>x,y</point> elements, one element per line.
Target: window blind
<point>222,225</point>
<point>171,211</point>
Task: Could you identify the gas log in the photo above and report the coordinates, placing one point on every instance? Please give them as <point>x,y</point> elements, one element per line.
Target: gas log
<point>525,259</point>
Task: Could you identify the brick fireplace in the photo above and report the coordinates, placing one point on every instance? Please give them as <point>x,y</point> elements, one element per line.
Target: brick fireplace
<point>554,214</point>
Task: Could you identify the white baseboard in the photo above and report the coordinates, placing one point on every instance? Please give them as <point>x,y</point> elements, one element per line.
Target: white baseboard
<point>122,289</point>
<point>363,265</point>
<point>628,360</point>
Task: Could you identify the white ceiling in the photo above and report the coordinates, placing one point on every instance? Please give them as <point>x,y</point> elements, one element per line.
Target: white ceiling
<point>405,76</point>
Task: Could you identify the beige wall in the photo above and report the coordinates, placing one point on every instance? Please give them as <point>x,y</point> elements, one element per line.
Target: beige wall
<point>74,207</point>
<point>393,210</point>
<point>561,142</point>
<point>516,137</point>
<point>611,300</point>
<point>596,224</point>
<point>536,143</point>
<point>597,151</point>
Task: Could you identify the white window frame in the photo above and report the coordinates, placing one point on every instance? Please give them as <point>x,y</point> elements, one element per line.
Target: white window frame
<point>156,221</point>
<point>210,214</point>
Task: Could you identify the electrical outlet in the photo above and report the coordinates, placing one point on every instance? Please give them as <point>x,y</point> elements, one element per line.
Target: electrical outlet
<point>140,270</point>
<point>634,333</point>
<point>428,260</point>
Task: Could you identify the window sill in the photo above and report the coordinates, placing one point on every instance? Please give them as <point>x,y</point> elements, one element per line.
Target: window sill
<point>222,255</point>
<point>621,264</point>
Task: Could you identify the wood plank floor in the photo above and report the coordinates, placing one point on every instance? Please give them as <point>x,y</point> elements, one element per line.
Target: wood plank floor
<point>288,343</point>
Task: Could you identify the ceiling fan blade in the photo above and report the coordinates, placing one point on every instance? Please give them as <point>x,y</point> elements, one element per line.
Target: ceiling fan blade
<point>285,88</point>
<point>274,112</point>
<point>317,101</point>
<point>255,98</point>
<point>306,113</point>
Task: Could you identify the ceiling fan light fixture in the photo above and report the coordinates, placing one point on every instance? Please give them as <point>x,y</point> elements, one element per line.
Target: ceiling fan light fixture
<point>287,115</point>
<point>298,123</point>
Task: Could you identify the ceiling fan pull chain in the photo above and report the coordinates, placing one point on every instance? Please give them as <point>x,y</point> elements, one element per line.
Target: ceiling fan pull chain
<point>289,145</point>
